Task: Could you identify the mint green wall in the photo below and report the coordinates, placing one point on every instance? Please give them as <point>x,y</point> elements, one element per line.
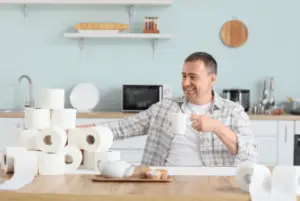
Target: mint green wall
<point>40,50</point>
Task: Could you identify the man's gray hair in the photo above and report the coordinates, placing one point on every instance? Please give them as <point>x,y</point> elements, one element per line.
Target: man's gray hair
<point>209,61</point>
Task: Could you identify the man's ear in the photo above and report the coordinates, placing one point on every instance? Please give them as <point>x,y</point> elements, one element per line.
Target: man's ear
<point>213,78</point>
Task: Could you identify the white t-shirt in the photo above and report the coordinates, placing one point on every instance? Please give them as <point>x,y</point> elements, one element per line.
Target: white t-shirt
<point>184,148</point>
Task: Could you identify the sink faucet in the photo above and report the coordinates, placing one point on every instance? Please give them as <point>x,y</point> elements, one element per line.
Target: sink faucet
<point>31,102</point>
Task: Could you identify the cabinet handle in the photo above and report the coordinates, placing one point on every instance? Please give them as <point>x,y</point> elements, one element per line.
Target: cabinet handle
<point>285,133</point>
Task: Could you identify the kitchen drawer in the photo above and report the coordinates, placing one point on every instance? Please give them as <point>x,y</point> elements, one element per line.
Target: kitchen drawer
<point>82,121</point>
<point>264,128</point>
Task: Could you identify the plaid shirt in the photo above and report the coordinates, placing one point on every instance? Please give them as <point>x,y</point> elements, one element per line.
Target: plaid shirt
<point>155,123</point>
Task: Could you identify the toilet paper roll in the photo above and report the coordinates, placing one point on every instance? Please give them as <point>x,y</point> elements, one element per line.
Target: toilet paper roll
<point>51,163</point>
<point>37,118</point>
<point>53,98</point>
<point>64,118</point>
<point>73,158</point>
<point>8,154</point>
<point>25,165</point>
<point>245,172</point>
<point>75,137</point>
<point>52,140</point>
<point>28,139</point>
<point>284,183</point>
<point>98,138</point>
<point>91,158</point>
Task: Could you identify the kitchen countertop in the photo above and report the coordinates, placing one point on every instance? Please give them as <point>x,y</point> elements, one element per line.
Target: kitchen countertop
<point>94,115</point>
<point>190,183</point>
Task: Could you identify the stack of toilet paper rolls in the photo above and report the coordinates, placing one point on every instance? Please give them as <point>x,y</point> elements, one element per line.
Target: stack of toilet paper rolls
<point>50,132</point>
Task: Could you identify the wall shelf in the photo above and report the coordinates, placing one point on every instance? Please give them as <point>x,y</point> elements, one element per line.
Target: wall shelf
<point>153,37</point>
<point>103,2</point>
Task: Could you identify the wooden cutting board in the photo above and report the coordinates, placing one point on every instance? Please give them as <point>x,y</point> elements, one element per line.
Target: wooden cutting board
<point>134,178</point>
<point>234,33</point>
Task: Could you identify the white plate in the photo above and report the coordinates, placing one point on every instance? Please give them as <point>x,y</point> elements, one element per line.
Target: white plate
<point>84,97</point>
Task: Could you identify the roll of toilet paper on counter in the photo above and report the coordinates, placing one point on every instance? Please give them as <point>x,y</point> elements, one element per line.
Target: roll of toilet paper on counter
<point>8,157</point>
<point>64,118</point>
<point>37,118</point>
<point>51,163</point>
<point>284,183</point>
<point>28,139</point>
<point>73,158</point>
<point>51,140</point>
<point>75,137</point>
<point>53,98</point>
<point>98,138</point>
<point>25,164</point>
<point>91,158</point>
<point>245,172</point>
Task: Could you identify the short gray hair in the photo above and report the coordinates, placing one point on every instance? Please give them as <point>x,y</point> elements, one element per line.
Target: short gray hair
<point>209,61</point>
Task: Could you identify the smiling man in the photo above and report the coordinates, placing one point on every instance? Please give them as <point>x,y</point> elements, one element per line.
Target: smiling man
<point>220,134</point>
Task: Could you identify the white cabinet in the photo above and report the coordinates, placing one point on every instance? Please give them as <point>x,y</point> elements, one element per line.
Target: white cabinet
<point>10,132</point>
<point>286,132</point>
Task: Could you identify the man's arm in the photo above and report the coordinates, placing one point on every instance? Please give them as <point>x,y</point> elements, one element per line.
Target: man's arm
<point>239,136</point>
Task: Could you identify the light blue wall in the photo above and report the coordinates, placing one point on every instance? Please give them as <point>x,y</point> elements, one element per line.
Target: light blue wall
<point>39,49</point>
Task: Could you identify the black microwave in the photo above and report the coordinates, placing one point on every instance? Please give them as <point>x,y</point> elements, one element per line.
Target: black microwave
<point>136,98</point>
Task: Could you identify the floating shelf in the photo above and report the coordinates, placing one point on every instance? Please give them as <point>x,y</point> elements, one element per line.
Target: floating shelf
<point>104,2</point>
<point>153,37</point>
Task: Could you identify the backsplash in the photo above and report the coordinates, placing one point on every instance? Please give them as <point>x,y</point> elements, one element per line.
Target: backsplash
<point>39,49</point>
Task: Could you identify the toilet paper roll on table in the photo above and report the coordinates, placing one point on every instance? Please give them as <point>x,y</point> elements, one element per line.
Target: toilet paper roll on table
<point>91,158</point>
<point>28,139</point>
<point>52,140</point>
<point>7,158</point>
<point>24,166</point>
<point>53,98</point>
<point>68,160</point>
<point>99,138</point>
<point>37,118</point>
<point>63,118</point>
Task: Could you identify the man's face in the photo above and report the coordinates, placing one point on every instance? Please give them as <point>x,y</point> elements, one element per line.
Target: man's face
<point>196,80</point>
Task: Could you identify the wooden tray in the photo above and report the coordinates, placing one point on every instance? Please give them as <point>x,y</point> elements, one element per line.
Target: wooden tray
<point>134,178</point>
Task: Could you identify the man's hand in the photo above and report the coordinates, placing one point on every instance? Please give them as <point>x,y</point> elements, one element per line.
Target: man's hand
<point>204,123</point>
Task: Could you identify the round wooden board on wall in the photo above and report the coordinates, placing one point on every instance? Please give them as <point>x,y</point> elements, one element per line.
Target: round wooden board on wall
<point>234,33</point>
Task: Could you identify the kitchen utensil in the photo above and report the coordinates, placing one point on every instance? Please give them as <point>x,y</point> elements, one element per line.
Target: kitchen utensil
<point>234,33</point>
<point>84,97</point>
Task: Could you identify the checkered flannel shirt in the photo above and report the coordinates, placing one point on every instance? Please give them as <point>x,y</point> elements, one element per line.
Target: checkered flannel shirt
<point>155,123</point>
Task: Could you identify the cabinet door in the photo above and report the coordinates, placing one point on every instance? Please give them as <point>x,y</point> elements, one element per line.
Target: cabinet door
<point>10,132</point>
<point>285,148</point>
<point>266,150</point>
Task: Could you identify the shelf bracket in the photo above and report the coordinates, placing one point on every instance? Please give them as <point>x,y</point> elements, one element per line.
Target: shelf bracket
<point>154,44</point>
<point>130,14</point>
<point>25,12</point>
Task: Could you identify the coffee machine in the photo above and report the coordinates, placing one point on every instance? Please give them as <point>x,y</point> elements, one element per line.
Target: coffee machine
<point>241,96</point>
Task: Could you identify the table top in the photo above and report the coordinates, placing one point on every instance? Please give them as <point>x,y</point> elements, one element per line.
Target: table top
<point>80,187</point>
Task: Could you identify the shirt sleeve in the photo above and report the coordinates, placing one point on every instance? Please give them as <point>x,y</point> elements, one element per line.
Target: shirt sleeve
<point>241,125</point>
<point>135,125</point>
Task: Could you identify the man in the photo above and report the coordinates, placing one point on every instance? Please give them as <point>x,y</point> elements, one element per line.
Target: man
<point>220,134</point>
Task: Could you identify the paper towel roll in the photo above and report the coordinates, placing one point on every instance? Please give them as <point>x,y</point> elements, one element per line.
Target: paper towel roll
<point>25,169</point>
<point>53,98</point>
<point>8,157</point>
<point>37,118</point>
<point>51,163</point>
<point>73,158</point>
<point>98,138</point>
<point>64,118</point>
<point>52,140</point>
<point>91,158</point>
<point>28,139</point>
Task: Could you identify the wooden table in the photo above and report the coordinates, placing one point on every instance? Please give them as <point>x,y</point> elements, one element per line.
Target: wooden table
<point>81,188</point>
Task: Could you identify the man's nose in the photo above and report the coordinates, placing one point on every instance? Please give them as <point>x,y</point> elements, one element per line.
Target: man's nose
<point>186,82</point>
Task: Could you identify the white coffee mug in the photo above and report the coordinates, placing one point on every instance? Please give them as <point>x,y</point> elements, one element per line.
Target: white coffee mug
<point>179,122</point>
